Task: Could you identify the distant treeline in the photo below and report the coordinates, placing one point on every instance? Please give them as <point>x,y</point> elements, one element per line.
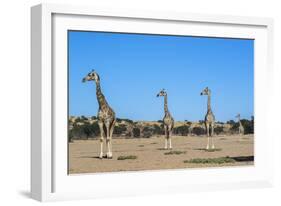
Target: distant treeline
<point>85,128</point>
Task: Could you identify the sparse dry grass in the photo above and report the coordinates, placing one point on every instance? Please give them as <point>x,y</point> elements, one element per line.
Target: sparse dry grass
<point>127,157</point>
<point>210,150</point>
<point>174,153</point>
<point>218,160</point>
<point>161,149</point>
<point>83,154</point>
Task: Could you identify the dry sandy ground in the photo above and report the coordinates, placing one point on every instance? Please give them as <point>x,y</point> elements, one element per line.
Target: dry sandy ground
<point>83,154</point>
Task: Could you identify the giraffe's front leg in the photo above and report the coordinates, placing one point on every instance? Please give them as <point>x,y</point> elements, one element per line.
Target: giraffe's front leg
<point>212,136</point>
<point>240,134</point>
<point>170,137</point>
<point>100,123</point>
<point>108,138</point>
<point>166,138</point>
<point>208,136</point>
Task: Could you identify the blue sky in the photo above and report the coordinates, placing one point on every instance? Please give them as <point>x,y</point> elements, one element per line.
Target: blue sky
<point>133,68</point>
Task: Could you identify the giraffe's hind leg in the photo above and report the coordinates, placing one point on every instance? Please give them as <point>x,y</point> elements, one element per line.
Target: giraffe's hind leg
<point>110,139</point>
<point>107,125</point>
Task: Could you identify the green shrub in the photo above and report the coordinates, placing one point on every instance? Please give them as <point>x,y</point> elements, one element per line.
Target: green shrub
<point>182,130</point>
<point>85,131</point>
<point>118,130</point>
<point>198,131</point>
<point>148,132</point>
<point>157,129</point>
<point>218,130</point>
<point>136,132</point>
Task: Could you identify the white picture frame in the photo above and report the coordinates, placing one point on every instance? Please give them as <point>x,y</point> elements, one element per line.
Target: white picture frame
<point>49,178</point>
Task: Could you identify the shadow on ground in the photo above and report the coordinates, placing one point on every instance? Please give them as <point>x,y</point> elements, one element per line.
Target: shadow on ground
<point>243,158</point>
<point>25,193</point>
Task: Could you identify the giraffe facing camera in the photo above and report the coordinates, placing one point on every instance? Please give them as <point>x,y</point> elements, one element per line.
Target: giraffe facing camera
<point>106,115</point>
<point>240,128</point>
<point>168,120</point>
<point>209,119</point>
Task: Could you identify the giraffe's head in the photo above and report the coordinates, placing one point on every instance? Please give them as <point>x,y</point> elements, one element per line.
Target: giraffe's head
<point>162,93</point>
<point>92,76</point>
<point>206,91</point>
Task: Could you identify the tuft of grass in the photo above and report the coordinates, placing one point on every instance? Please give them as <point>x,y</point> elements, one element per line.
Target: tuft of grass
<point>153,143</point>
<point>223,138</point>
<point>174,152</point>
<point>128,157</point>
<point>213,150</point>
<point>141,145</point>
<point>219,160</point>
<point>210,150</point>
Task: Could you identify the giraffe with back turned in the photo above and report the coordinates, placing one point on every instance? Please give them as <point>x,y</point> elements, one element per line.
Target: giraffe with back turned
<point>168,120</point>
<point>209,119</point>
<point>106,115</point>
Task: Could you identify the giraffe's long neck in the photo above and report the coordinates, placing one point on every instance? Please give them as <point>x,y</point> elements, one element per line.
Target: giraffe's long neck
<point>100,97</point>
<point>240,124</point>
<point>209,103</point>
<point>166,104</point>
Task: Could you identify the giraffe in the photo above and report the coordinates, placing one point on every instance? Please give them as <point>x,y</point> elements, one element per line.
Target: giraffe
<point>140,126</point>
<point>190,128</point>
<point>168,120</point>
<point>240,128</point>
<point>130,130</point>
<point>209,119</point>
<point>106,116</point>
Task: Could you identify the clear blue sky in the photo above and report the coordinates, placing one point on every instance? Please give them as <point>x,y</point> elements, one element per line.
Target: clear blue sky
<point>133,68</point>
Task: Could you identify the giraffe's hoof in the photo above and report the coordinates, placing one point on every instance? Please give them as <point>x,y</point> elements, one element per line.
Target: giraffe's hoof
<point>109,156</point>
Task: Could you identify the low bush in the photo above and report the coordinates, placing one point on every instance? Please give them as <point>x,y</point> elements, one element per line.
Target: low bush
<point>182,130</point>
<point>198,131</point>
